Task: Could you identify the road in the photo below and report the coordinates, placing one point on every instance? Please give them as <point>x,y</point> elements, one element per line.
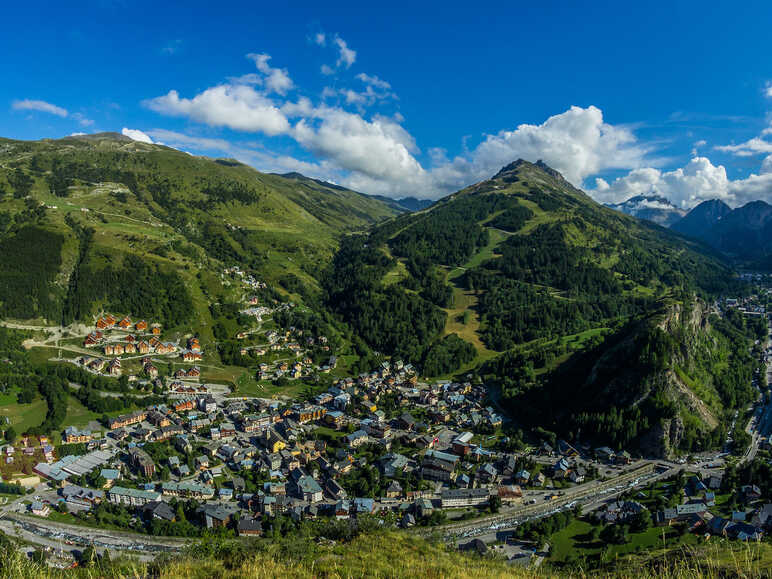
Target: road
<point>760,424</point>
<point>591,495</point>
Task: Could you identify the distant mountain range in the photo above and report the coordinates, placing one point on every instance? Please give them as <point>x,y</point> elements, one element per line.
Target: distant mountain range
<point>406,204</point>
<point>744,233</point>
<point>652,207</point>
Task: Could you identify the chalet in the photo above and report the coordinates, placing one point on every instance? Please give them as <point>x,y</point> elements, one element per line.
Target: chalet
<point>216,516</point>
<point>125,323</point>
<point>309,413</point>
<point>249,527</point>
<point>114,367</point>
<point>356,438</point>
<point>73,435</point>
<point>81,496</point>
<point>394,490</point>
<point>184,405</point>
<point>166,432</point>
<point>406,422</point>
<point>155,329</point>
<point>308,489</point>
<point>141,326</point>
<point>334,419</point>
<point>105,323</point>
<point>127,419</point>
<point>39,509</point>
<point>150,370</point>
<point>129,348</point>
<point>461,444</point>
<point>158,510</point>
<point>143,347</point>
<point>165,348</point>
<point>93,339</point>
<point>194,345</point>
<point>158,419</point>
<point>191,356</point>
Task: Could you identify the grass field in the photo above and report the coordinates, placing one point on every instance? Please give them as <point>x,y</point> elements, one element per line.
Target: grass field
<point>23,416</point>
<point>77,414</point>
<point>574,542</point>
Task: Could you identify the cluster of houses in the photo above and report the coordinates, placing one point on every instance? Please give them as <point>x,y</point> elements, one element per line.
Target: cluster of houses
<point>228,440</point>
<point>698,511</point>
<point>140,338</point>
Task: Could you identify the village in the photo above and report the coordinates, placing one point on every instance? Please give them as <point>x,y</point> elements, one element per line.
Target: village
<point>383,443</point>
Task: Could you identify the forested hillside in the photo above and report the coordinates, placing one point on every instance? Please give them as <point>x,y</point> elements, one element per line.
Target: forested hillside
<point>529,270</point>
<point>103,222</point>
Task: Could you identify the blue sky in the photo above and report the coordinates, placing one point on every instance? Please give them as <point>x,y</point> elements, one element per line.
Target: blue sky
<point>413,98</point>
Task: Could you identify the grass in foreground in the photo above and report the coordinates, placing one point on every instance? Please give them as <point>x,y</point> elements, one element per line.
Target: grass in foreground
<point>397,554</point>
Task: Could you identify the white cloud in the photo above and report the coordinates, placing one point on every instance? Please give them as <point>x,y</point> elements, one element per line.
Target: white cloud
<point>320,38</point>
<point>373,81</point>
<point>377,150</point>
<point>41,106</point>
<point>346,56</point>
<point>77,134</point>
<point>754,146</point>
<point>276,79</point>
<point>697,181</point>
<point>244,153</point>
<point>766,164</point>
<point>768,90</point>
<point>327,70</point>
<point>237,107</point>
<point>136,135</point>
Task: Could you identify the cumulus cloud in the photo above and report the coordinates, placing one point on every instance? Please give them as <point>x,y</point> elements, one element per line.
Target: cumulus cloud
<point>768,90</point>
<point>376,150</point>
<point>346,56</point>
<point>276,79</point>
<point>320,38</point>
<point>242,152</point>
<point>136,135</point>
<point>238,107</point>
<point>376,154</point>
<point>687,186</point>
<point>37,105</point>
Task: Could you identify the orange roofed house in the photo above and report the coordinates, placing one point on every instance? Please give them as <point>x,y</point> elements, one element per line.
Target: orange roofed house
<point>106,322</point>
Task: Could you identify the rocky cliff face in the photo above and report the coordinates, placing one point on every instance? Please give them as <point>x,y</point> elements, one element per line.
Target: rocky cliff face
<point>690,327</point>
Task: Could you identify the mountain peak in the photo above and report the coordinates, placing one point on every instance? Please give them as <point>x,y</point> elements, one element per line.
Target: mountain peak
<point>652,207</point>
<point>517,166</point>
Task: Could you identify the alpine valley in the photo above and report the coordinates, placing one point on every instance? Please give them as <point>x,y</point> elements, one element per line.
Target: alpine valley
<point>243,338</point>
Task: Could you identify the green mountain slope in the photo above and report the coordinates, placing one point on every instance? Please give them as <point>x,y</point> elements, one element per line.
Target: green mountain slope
<point>101,221</point>
<point>527,270</point>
